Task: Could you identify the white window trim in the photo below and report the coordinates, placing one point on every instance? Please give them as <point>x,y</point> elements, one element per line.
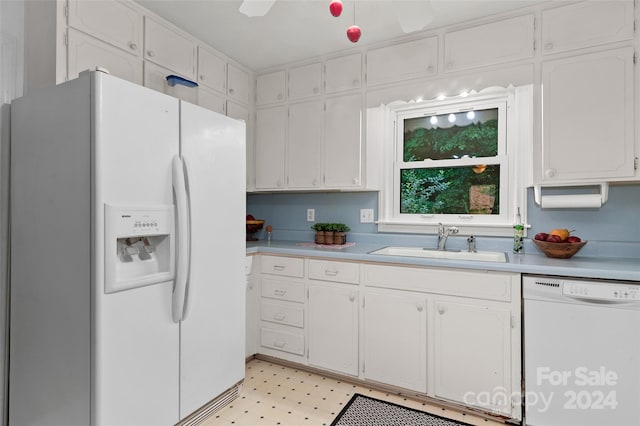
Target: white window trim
<point>517,148</point>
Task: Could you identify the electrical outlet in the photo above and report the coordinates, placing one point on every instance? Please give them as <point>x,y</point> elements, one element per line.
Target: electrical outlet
<point>311,215</point>
<point>366,215</point>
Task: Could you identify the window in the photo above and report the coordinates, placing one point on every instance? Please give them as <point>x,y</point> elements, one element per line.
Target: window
<point>454,162</point>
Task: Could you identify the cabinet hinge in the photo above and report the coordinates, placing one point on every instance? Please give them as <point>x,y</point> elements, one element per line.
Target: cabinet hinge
<point>65,38</point>
<point>635,163</point>
<point>534,45</point>
<point>535,23</point>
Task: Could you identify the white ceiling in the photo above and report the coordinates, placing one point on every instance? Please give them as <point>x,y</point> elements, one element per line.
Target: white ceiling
<point>295,30</point>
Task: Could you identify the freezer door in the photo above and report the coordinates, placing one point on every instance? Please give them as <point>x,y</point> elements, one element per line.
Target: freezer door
<point>136,344</point>
<point>212,331</point>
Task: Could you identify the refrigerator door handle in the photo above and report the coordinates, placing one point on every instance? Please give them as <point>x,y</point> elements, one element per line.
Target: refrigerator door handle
<point>182,240</point>
<point>187,293</point>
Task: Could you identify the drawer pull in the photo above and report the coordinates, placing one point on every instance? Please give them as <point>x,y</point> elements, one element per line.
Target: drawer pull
<point>279,292</point>
<point>133,46</point>
<point>330,273</point>
<point>279,267</point>
<point>279,316</point>
<point>151,53</point>
<point>279,344</point>
<point>419,307</point>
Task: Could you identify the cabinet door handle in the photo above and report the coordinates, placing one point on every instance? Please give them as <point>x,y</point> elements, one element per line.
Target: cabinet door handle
<point>441,310</point>
<point>133,46</point>
<point>352,297</point>
<point>151,53</point>
<point>201,77</point>
<point>548,46</point>
<point>279,97</point>
<point>550,173</point>
<point>279,292</point>
<point>279,344</point>
<point>430,69</point>
<point>330,273</point>
<point>231,91</point>
<point>279,267</point>
<point>279,316</point>
<point>356,83</point>
<point>419,307</point>
<point>356,180</point>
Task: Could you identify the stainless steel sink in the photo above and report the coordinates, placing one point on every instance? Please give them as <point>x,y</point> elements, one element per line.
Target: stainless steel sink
<point>482,256</point>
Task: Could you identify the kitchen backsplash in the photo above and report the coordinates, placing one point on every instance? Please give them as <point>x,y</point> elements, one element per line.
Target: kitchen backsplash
<point>617,221</point>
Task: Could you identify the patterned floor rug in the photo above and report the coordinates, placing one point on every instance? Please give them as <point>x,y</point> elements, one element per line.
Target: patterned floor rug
<point>365,411</point>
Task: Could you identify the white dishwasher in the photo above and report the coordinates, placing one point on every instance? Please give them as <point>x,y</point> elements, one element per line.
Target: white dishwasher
<point>581,352</point>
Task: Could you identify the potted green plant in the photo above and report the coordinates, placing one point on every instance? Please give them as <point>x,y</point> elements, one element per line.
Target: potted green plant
<point>320,229</point>
<point>340,233</point>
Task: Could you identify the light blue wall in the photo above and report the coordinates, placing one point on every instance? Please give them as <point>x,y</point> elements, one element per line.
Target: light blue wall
<point>616,221</point>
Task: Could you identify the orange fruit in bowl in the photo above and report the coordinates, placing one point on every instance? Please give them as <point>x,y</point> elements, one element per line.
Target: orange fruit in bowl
<point>561,232</point>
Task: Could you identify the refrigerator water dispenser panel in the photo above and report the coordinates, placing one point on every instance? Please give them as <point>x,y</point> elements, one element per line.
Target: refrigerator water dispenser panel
<point>139,246</point>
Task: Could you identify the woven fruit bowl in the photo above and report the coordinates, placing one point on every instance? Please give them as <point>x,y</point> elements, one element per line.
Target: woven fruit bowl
<point>254,225</point>
<point>559,250</point>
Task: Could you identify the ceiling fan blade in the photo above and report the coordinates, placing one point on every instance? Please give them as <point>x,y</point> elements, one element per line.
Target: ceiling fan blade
<point>413,15</point>
<point>253,8</point>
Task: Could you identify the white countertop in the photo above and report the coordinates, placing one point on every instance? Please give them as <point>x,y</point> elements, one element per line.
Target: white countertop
<point>618,268</point>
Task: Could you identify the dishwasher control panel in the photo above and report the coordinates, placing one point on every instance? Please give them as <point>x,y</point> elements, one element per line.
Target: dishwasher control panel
<point>601,291</point>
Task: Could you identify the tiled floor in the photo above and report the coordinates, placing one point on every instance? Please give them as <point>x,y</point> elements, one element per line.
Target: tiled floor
<point>276,395</point>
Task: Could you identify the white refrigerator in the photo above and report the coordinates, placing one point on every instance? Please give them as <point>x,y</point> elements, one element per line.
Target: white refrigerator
<point>127,257</point>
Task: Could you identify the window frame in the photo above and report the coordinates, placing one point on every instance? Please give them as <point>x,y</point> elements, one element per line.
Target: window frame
<point>514,141</point>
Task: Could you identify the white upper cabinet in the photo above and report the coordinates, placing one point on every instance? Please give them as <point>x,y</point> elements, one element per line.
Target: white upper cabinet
<point>305,81</point>
<point>343,142</point>
<point>343,73</point>
<point>168,48</point>
<point>212,70</point>
<point>585,24</point>
<point>270,88</point>
<point>305,145</point>
<point>114,22</point>
<point>211,100</point>
<point>271,132</point>
<point>155,78</point>
<point>493,43</point>
<point>413,59</point>
<point>237,84</point>
<point>588,118</point>
<point>85,52</point>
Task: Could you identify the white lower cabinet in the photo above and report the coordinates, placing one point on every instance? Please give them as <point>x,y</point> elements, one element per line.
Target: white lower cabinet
<point>395,338</point>
<point>447,333</point>
<point>282,308</point>
<point>333,327</point>
<point>472,349</point>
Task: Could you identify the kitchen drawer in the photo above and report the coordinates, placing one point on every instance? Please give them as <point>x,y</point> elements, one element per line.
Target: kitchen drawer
<point>290,290</point>
<point>282,313</point>
<point>341,272</point>
<point>285,266</point>
<point>282,340</point>
<point>476,284</point>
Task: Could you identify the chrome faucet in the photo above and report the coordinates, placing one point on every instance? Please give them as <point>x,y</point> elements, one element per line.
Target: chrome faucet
<point>443,234</point>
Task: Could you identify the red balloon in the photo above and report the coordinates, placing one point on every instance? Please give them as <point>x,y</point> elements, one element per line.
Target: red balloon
<point>354,33</point>
<point>336,8</point>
